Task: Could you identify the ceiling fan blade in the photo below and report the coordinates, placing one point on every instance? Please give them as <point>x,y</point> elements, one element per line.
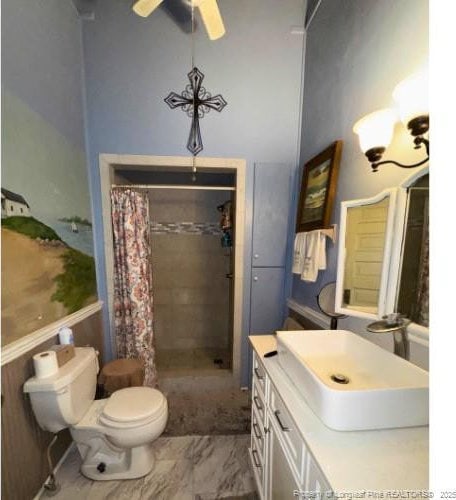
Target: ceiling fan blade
<point>181,13</point>
<point>212,18</point>
<point>144,7</point>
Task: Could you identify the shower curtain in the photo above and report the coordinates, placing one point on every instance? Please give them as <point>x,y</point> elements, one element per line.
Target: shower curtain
<point>133,280</point>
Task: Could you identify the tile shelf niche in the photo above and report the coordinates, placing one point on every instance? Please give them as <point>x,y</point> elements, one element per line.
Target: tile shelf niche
<point>197,228</point>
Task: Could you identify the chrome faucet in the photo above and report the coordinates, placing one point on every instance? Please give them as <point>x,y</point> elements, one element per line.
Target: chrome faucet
<point>397,325</point>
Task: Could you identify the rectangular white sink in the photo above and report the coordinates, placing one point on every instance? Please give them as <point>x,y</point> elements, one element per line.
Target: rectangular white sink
<point>352,384</point>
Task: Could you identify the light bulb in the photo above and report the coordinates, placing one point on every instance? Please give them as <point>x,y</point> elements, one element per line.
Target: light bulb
<point>375,130</point>
<point>411,96</point>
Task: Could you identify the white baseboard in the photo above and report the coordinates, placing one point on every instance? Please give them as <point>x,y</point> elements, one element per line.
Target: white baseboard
<point>56,468</point>
<point>310,314</point>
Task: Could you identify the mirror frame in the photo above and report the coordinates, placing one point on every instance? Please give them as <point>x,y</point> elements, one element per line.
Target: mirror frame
<point>391,279</point>
<point>383,300</point>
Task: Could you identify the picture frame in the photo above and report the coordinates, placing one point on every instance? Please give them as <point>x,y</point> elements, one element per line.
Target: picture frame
<point>318,189</point>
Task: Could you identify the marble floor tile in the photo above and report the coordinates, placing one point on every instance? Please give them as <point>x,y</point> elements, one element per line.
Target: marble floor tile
<point>213,496</point>
<point>221,466</point>
<point>169,480</point>
<point>73,484</point>
<point>116,490</point>
<point>186,468</point>
<point>174,448</point>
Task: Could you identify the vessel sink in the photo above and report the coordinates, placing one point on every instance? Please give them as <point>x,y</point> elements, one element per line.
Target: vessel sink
<point>352,384</point>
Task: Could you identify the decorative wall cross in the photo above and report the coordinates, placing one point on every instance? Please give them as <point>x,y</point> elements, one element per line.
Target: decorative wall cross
<point>196,101</point>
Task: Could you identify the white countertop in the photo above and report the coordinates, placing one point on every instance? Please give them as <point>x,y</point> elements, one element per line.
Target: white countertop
<point>388,459</point>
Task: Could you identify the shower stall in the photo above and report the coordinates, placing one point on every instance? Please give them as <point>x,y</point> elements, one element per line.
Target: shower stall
<point>191,242</point>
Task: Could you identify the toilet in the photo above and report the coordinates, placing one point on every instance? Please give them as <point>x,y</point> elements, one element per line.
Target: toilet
<point>114,436</point>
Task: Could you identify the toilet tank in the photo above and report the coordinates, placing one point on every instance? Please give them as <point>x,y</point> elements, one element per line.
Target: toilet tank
<point>61,400</point>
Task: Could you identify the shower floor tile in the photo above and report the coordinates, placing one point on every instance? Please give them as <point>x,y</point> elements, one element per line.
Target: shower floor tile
<point>176,360</point>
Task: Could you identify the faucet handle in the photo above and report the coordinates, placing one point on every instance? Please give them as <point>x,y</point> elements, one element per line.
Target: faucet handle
<point>396,319</point>
<point>392,318</point>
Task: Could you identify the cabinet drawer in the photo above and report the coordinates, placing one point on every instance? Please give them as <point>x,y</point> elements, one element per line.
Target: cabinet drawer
<point>257,466</point>
<point>259,373</point>
<point>258,402</point>
<point>288,433</point>
<point>258,430</point>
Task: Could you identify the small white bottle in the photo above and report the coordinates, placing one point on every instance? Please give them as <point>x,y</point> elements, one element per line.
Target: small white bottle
<point>66,335</point>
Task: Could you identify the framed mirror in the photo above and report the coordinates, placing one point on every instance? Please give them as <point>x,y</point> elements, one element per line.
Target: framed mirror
<point>383,261</point>
<point>413,291</point>
<point>366,235</point>
<point>408,289</point>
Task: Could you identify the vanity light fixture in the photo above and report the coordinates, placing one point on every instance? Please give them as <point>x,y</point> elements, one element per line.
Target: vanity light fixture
<point>375,130</point>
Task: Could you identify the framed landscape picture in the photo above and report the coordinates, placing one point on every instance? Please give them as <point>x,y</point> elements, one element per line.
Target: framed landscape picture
<point>318,189</point>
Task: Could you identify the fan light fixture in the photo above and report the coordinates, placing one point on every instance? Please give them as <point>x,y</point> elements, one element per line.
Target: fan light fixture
<point>209,11</point>
<point>375,130</point>
<point>145,7</point>
<point>211,17</point>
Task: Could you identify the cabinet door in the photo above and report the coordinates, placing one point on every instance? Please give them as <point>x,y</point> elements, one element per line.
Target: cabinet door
<point>271,207</point>
<point>283,484</point>
<point>316,483</point>
<point>266,306</point>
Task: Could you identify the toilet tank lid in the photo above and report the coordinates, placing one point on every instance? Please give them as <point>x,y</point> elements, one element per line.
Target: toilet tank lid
<point>83,357</point>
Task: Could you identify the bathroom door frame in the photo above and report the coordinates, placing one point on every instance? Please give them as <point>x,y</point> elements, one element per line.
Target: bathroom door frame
<point>109,163</point>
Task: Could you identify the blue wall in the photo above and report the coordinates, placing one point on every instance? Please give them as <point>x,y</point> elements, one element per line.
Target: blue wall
<point>356,52</point>
<point>131,64</point>
<point>42,61</point>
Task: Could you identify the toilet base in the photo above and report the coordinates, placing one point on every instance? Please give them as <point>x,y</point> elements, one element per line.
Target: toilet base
<point>104,462</point>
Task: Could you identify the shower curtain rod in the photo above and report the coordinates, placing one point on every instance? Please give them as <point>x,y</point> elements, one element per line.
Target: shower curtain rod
<point>172,186</point>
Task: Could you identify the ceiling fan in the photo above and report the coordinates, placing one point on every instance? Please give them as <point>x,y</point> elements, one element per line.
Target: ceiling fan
<point>210,13</point>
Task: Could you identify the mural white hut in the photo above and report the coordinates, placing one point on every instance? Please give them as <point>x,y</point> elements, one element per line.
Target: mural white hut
<point>14,204</point>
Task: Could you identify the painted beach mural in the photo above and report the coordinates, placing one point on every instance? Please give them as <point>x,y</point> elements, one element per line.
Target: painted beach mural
<point>48,268</point>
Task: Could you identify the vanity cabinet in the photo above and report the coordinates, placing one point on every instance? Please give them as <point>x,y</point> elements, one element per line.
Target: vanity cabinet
<point>315,480</point>
<point>283,484</point>
<point>293,454</point>
<point>281,463</point>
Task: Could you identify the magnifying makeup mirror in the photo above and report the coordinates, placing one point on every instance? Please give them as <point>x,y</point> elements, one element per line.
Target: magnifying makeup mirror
<point>326,302</point>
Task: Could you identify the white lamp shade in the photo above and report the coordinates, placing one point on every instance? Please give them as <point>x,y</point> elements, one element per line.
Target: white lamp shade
<point>375,130</point>
<point>211,17</point>
<point>411,97</point>
<point>144,7</point>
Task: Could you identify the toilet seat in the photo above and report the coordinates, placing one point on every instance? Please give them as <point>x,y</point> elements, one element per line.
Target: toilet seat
<point>133,407</point>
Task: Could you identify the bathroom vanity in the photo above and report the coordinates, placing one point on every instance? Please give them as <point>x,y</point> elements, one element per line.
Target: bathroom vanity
<point>295,455</point>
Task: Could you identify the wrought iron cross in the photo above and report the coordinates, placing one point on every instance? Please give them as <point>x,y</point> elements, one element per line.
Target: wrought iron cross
<point>196,101</point>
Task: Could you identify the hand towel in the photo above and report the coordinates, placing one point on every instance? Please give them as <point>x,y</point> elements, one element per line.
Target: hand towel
<point>315,255</point>
<point>299,253</point>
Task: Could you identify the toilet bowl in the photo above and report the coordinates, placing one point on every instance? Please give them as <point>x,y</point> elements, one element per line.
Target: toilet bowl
<point>114,436</point>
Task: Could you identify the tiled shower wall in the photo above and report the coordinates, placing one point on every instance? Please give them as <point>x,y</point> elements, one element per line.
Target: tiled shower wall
<point>191,291</point>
